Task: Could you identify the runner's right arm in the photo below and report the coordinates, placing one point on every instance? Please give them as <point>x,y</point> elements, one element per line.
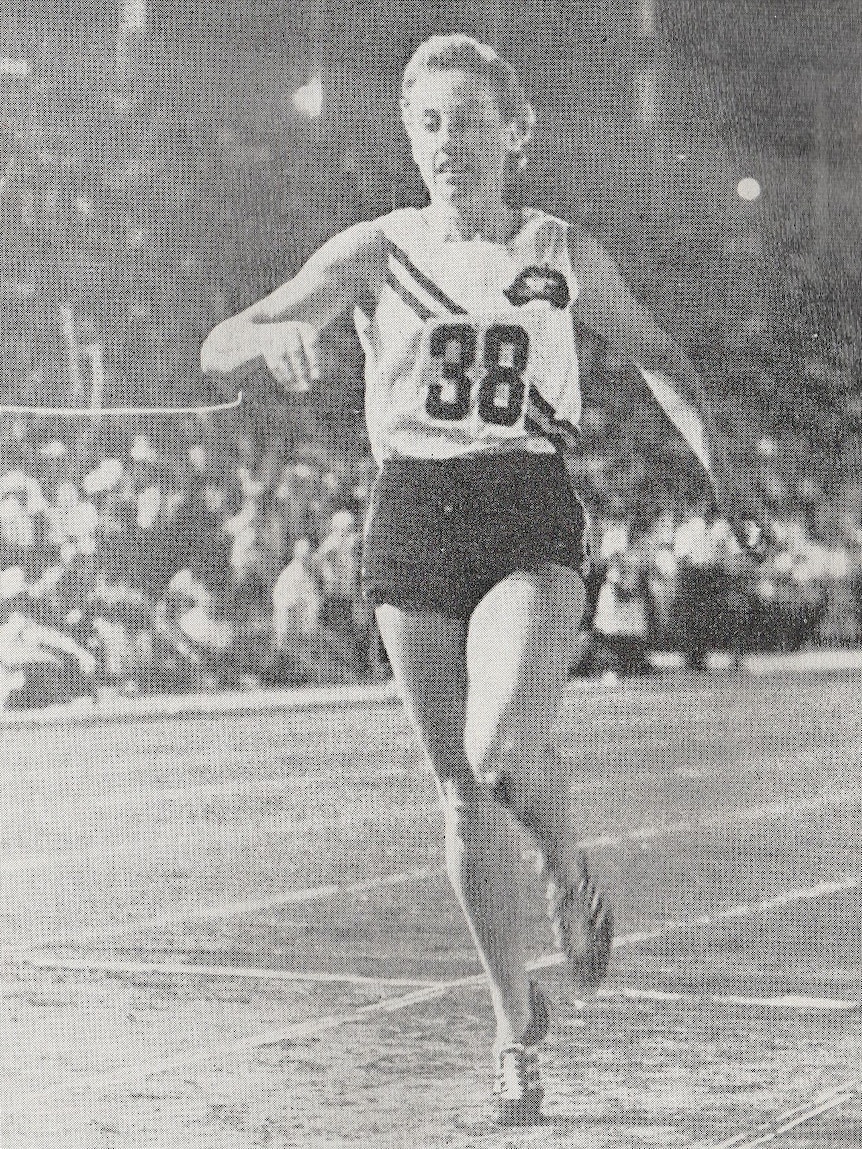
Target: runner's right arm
<point>281,330</point>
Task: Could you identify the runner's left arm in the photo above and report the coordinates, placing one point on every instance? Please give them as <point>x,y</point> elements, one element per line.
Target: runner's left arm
<point>606,304</point>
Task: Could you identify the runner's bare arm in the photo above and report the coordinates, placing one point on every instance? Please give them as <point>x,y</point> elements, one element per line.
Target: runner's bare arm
<point>281,330</point>
<point>606,304</point>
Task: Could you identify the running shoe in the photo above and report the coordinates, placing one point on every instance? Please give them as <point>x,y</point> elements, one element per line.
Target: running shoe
<point>583,926</point>
<point>518,1091</point>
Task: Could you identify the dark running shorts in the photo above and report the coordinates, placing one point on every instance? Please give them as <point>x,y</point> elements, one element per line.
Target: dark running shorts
<point>441,533</point>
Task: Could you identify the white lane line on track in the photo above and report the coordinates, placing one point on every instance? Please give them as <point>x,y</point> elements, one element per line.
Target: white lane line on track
<point>769,1133</point>
<point>709,823</point>
<point>249,973</point>
<point>126,795</point>
<point>225,703</point>
<point>290,1034</point>
<point>765,812</point>
<point>224,910</point>
<point>729,913</point>
<point>768,811</point>
<point>766,1134</point>
<point>256,973</point>
<point>782,1001</point>
<point>317,1026</point>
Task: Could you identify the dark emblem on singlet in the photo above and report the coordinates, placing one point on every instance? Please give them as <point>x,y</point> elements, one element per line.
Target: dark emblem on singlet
<point>539,283</point>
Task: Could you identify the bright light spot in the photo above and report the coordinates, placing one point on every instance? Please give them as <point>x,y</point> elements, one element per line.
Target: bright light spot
<point>308,100</point>
<point>11,67</point>
<point>766,589</point>
<point>134,14</point>
<point>748,189</point>
<point>766,448</point>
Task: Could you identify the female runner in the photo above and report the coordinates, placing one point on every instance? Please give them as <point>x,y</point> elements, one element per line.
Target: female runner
<point>473,549</point>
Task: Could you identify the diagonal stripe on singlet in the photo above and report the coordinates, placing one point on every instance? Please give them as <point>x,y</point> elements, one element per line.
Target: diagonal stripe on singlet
<point>560,435</point>
<point>541,403</point>
<point>428,285</point>
<point>533,428</point>
<point>408,297</point>
<point>543,418</point>
<point>543,407</point>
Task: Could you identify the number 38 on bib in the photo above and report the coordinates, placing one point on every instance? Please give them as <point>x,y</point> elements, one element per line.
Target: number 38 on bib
<point>487,373</point>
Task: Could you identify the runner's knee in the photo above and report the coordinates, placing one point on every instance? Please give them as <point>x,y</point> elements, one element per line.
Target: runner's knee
<point>508,746</point>
<point>476,825</point>
<point>496,759</point>
<point>483,749</point>
<point>522,771</point>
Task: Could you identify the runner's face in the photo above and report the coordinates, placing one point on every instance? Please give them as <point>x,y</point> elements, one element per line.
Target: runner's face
<point>459,139</point>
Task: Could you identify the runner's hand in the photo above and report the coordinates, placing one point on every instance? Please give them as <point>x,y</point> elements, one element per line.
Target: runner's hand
<point>291,353</point>
<point>752,538</point>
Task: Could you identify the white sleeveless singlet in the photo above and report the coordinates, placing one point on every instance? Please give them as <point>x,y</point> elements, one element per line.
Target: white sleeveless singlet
<point>471,346</point>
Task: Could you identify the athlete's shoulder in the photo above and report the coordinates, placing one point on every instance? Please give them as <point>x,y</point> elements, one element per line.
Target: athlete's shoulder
<point>372,239</point>
<point>360,241</point>
<point>354,258</point>
<point>404,228</point>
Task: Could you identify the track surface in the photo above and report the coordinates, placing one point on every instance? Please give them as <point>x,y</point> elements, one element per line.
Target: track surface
<point>232,931</point>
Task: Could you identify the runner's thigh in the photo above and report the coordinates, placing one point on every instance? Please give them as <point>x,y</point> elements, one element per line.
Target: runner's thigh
<point>428,658</point>
<point>521,644</point>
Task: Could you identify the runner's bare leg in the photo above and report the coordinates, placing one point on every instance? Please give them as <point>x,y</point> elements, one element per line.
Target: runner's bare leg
<point>521,646</point>
<point>427,653</point>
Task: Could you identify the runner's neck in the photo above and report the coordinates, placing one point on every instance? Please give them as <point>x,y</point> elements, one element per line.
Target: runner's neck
<point>499,224</point>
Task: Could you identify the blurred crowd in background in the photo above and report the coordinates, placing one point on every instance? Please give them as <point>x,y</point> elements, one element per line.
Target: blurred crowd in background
<point>154,560</point>
<point>176,561</point>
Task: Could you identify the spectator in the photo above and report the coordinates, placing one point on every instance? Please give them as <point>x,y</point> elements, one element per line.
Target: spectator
<point>703,547</point>
<point>296,598</point>
<point>17,531</point>
<point>271,546</point>
<point>704,541</point>
<point>73,523</point>
<point>303,652</point>
<point>661,569</point>
<point>191,609</point>
<point>622,613</point>
<point>614,531</point>
<point>40,663</point>
<point>336,559</point>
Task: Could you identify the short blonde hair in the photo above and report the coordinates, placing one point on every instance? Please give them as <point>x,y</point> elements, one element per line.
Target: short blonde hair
<point>469,55</point>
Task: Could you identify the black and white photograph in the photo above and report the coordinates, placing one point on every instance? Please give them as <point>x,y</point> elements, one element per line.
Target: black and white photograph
<point>431,574</point>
